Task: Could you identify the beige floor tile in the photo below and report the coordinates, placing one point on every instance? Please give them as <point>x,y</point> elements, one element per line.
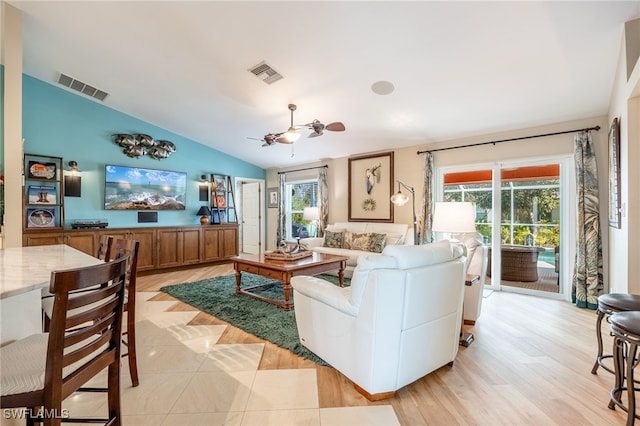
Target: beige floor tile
<point>169,319</point>
<point>376,415</point>
<point>217,392</point>
<point>166,359</point>
<point>156,393</point>
<point>86,404</point>
<point>143,420</point>
<point>198,338</point>
<point>309,417</point>
<point>144,310</point>
<point>284,390</point>
<point>234,357</point>
<point>204,419</point>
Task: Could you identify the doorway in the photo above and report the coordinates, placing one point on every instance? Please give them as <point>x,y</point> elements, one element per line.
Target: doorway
<point>250,215</point>
<point>531,201</point>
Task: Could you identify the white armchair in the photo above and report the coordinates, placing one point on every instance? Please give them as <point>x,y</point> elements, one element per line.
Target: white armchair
<point>397,322</point>
<point>476,265</point>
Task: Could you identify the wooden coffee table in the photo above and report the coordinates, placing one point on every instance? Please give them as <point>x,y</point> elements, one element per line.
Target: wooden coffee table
<point>283,271</point>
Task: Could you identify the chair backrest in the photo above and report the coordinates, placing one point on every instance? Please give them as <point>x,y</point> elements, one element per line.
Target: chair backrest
<point>104,247</point>
<point>127,247</point>
<point>403,258</point>
<point>76,354</point>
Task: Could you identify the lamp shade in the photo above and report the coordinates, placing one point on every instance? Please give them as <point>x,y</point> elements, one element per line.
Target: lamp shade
<point>399,199</point>
<point>454,217</point>
<point>204,211</point>
<point>311,213</point>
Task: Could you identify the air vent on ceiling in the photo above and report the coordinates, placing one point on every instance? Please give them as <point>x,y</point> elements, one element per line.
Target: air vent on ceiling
<point>265,72</point>
<point>81,87</point>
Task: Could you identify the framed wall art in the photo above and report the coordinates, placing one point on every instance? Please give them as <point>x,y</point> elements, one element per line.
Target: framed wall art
<point>615,207</point>
<point>272,193</point>
<point>370,188</point>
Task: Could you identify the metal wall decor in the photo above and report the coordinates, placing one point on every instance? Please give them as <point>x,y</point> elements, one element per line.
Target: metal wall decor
<point>135,146</point>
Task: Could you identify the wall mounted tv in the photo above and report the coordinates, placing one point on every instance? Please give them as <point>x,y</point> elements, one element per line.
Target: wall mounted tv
<point>135,188</point>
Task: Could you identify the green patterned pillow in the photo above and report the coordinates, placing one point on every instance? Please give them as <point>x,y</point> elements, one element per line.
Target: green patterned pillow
<point>356,241</point>
<point>377,242</point>
<point>333,239</point>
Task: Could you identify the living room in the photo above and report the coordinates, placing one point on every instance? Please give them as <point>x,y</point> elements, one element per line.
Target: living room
<point>57,122</point>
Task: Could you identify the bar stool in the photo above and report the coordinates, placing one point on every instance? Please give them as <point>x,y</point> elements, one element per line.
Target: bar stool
<point>625,328</point>
<point>609,304</point>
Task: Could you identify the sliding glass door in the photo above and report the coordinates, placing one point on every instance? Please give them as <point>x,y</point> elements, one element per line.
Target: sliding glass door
<point>526,200</point>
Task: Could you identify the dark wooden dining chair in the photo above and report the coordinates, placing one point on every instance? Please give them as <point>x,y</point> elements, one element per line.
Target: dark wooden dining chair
<point>104,247</point>
<point>40,371</point>
<point>123,247</point>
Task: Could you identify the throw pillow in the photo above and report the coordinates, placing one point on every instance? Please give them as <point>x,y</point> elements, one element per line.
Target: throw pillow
<point>377,242</point>
<point>333,239</point>
<point>357,241</point>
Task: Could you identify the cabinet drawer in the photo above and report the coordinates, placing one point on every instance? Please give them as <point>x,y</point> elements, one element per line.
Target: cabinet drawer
<point>250,268</point>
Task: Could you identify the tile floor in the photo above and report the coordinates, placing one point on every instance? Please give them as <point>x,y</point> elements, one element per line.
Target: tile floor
<point>186,378</point>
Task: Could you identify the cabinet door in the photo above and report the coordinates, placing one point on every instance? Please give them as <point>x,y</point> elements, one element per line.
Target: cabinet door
<point>211,244</point>
<point>169,247</point>
<point>229,242</point>
<point>42,239</point>
<point>191,238</point>
<point>146,256</point>
<point>83,241</point>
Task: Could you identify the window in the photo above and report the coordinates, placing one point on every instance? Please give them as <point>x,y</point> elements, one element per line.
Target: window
<point>299,194</point>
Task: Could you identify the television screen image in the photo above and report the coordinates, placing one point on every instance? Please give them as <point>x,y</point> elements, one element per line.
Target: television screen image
<point>135,188</point>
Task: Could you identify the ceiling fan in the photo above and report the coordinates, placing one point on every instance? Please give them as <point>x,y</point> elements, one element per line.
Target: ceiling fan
<point>291,134</point>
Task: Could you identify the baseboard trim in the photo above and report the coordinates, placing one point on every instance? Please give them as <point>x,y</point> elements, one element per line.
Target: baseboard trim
<point>375,396</point>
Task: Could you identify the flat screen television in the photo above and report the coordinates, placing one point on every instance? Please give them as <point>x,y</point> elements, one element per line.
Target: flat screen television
<point>135,188</point>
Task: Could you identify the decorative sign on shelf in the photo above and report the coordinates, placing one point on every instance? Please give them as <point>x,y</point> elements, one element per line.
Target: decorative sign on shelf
<point>135,146</point>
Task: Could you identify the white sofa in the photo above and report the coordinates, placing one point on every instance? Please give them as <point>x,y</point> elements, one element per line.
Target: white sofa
<point>396,234</point>
<point>398,321</point>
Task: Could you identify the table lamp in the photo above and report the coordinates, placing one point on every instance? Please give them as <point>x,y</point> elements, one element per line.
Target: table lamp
<point>312,214</point>
<point>204,214</point>
<point>454,217</point>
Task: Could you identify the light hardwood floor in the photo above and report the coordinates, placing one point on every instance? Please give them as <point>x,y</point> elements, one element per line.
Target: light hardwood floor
<point>529,365</point>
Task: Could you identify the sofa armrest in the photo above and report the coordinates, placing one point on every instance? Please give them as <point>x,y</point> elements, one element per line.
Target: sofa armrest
<point>312,242</point>
<point>324,292</point>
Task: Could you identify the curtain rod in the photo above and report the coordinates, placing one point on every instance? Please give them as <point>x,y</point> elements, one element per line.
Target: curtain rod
<point>512,139</point>
<point>301,170</point>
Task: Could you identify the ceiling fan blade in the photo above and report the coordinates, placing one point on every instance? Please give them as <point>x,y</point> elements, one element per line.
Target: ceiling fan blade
<point>335,127</point>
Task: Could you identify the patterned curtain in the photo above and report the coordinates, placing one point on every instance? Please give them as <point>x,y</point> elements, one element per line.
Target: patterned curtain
<point>282,219</point>
<point>426,209</point>
<point>323,201</point>
<point>587,282</point>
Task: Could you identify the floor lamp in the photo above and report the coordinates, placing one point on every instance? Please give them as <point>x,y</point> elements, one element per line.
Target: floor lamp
<point>400,199</point>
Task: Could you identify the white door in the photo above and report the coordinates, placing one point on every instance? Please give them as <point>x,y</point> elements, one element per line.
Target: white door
<point>251,231</point>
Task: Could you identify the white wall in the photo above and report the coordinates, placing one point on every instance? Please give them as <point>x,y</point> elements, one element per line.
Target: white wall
<point>11,39</point>
<point>624,243</point>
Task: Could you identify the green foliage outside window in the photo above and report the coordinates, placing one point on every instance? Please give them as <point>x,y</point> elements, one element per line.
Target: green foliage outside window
<point>532,207</point>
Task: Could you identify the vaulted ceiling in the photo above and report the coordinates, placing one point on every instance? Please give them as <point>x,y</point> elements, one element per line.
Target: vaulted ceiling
<point>458,69</point>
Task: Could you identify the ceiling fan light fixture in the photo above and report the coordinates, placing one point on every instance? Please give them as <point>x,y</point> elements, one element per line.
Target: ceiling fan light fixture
<point>292,135</point>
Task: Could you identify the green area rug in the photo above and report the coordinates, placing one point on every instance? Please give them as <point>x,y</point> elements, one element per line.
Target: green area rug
<point>217,297</point>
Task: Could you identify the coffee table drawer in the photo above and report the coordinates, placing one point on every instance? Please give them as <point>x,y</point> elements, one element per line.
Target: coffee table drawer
<point>270,274</point>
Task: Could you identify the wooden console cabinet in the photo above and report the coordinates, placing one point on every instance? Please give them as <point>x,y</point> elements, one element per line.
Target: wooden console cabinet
<point>160,247</point>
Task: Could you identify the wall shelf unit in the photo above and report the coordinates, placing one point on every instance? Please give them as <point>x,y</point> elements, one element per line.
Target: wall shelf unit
<point>43,192</point>
<point>222,200</point>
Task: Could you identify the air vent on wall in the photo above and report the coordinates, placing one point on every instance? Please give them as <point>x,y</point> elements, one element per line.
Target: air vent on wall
<point>81,87</point>
<point>265,72</point>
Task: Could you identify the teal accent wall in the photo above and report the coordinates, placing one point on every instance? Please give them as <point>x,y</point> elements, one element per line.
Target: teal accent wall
<point>60,123</point>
